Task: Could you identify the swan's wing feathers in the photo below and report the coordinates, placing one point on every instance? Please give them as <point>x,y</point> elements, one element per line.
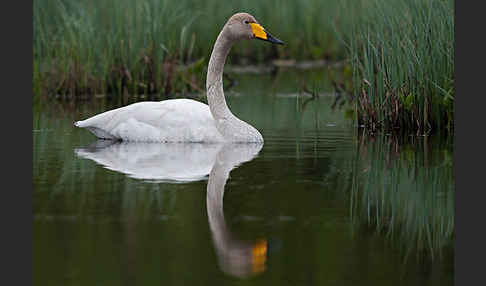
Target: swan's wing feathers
<point>175,113</point>
<point>174,120</point>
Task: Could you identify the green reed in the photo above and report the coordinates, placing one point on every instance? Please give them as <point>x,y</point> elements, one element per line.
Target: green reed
<point>406,192</point>
<point>402,56</point>
<point>104,46</point>
<point>134,47</point>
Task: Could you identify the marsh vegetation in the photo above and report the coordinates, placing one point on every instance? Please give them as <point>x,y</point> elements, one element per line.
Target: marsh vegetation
<point>160,47</point>
<point>402,56</point>
<point>397,56</point>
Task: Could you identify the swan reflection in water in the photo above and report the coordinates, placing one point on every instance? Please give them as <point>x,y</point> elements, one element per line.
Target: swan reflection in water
<point>154,161</point>
<point>236,257</point>
<point>186,163</point>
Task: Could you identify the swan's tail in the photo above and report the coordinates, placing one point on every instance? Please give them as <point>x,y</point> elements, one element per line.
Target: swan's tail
<point>81,123</point>
<point>100,133</point>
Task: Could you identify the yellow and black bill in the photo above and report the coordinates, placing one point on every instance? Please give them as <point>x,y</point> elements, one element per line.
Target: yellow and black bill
<point>260,33</point>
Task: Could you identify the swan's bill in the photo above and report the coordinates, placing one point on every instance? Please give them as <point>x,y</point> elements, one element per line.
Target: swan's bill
<point>260,33</point>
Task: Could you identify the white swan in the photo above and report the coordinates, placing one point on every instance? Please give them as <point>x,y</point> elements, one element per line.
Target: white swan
<point>185,120</point>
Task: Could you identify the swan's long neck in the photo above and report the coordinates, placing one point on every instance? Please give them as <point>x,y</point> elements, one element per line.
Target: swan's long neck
<point>214,80</point>
<point>230,127</point>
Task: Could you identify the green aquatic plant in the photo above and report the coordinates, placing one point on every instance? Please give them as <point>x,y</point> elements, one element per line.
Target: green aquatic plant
<point>402,54</point>
<point>94,47</point>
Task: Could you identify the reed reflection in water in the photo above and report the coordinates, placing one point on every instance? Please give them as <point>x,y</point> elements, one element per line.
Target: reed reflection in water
<point>404,189</point>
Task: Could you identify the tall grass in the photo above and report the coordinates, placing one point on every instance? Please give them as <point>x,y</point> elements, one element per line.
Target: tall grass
<point>402,56</point>
<point>104,46</point>
<point>88,47</point>
<point>405,190</point>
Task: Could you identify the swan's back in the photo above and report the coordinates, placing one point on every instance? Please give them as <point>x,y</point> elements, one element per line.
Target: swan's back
<point>173,120</point>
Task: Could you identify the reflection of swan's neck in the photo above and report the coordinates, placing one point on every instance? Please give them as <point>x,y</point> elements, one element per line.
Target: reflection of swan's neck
<point>235,257</point>
<point>214,201</point>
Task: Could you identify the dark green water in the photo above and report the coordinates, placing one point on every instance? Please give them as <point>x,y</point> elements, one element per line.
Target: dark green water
<point>318,204</point>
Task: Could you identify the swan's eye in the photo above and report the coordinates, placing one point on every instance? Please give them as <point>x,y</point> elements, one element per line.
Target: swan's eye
<point>247,22</point>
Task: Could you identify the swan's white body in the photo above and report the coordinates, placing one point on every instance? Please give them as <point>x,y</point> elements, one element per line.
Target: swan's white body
<point>184,120</point>
<point>173,120</point>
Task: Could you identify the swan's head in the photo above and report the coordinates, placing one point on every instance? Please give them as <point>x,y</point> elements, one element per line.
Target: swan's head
<point>245,26</point>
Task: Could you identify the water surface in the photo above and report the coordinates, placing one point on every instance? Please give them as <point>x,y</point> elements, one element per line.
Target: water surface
<point>318,204</point>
